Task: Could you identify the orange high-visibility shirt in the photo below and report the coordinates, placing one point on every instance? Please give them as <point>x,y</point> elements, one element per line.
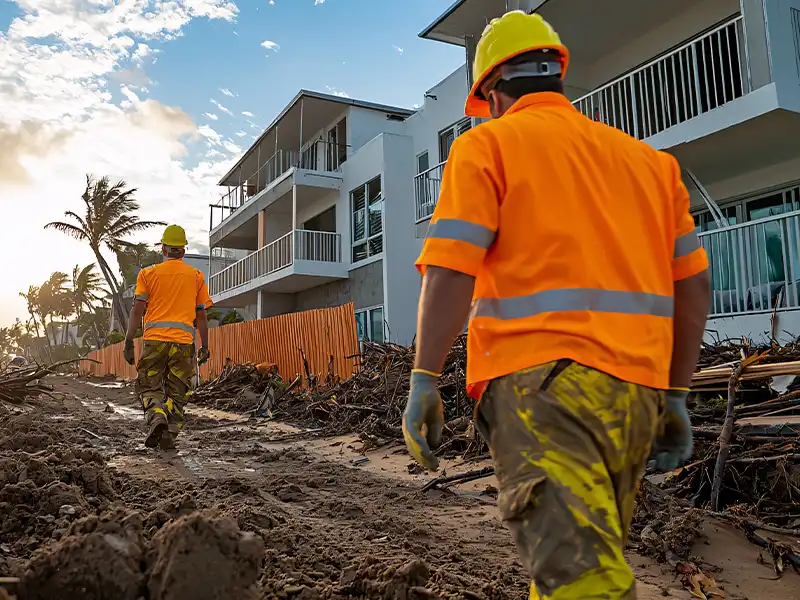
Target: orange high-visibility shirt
<point>174,292</point>
<point>575,233</point>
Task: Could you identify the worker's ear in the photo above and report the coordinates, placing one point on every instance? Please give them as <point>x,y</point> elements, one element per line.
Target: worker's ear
<point>495,104</point>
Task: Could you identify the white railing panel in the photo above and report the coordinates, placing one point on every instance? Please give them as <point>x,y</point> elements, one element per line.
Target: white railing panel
<point>697,77</point>
<point>426,191</point>
<point>318,246</point>
<point>755,266</point>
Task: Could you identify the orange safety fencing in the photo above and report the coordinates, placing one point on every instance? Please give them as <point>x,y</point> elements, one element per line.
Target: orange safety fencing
<point>320,334</point>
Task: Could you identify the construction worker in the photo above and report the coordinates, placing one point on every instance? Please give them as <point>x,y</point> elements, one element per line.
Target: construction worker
<point>176,296</point>
<point>573,245</point>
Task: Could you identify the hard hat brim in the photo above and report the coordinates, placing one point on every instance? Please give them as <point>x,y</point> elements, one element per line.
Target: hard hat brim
<point>476,107</point>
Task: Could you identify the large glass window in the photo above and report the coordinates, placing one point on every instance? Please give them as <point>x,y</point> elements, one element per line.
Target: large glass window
<point>370,324</point>
<point>366,204</point>
<point>449,135</point>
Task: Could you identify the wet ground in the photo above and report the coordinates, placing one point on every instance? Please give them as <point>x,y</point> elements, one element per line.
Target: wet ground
<point>266,511</point>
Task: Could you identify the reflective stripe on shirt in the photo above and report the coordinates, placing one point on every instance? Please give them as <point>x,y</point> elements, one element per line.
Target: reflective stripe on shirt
<point>142,297</point>
<point>170,325</point>
<point>462,231</point>
<point>574,299</point>
<point>686,244</point>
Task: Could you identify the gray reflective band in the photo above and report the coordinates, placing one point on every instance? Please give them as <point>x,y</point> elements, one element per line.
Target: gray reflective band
<point>200,307</point>
<point>574,299</point>
<point>686,244</point>
<point>142,297</point>
<point>462,231</point>
<point>170,325</point>
<point>542,68</point>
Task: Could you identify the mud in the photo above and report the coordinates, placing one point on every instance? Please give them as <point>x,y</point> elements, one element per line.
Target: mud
<point>240,512</point>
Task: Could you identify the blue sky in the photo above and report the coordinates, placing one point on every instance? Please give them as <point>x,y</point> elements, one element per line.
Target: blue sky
<point>125,88</point>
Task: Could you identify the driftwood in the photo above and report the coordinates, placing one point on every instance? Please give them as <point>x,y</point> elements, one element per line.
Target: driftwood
<point>18,385</point>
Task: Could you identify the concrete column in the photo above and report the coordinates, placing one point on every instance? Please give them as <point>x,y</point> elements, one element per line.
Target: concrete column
<point>755,44</point>
<point>262,229</point>
<point>260,308</point>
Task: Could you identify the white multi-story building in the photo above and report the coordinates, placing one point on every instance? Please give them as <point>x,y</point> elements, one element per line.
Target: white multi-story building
<point>339,213</point>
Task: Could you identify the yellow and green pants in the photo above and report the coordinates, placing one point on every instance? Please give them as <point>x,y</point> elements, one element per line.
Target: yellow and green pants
<point>164,381</point>
<point>570,445</point>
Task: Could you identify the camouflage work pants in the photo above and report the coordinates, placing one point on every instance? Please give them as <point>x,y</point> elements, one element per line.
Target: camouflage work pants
<point>570,445</point>
<point>164,381</point>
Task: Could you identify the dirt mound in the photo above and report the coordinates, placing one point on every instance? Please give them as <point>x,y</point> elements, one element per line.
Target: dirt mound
<point>100,559</point>
<point>204,556</point>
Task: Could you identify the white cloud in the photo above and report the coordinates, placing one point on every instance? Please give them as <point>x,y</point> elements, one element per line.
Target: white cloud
<point>398,48</point>
<point>319,2</point>
<point>211,116</point>
<point>270,45</point>
<point>241,133</point>
<point>336,92</point>
<point>227,92</point>
<point>247,113</point>
<point>73,96</point>
<point>222,108</point>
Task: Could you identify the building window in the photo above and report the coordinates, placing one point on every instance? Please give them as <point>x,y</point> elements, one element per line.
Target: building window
<point>423,162</point>
<point>449,135</point>
<point>366,204</point>
<point>370,324</point>
<point>337,146</point>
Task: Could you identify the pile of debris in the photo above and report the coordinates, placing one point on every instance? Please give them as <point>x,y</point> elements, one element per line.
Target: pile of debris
<point>746,420</point>
<point>239,387</point>
<point>372,401</point>
<point>19,384</point>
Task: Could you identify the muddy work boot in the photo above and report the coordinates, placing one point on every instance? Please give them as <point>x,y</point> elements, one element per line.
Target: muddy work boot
<point>167,441</point>
<point>158,428</point>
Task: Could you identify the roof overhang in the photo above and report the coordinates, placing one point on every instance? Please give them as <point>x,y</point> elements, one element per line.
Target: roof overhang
<point>314,110</point>
<point>464,18</point>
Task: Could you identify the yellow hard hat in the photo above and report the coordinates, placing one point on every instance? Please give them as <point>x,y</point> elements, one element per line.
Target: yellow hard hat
<point>174,235</point>
<point>504,38</point>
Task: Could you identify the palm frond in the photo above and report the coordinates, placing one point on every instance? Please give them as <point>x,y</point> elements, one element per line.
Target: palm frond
<point>68,228</point>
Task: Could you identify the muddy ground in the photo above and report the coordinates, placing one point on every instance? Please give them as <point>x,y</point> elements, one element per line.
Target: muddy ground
<point>263,512</point>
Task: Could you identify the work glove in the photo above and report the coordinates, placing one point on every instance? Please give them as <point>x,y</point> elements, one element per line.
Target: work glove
<point>423,410</point>
<point>128,353</point>
<point>203,355</point>
<point>673,444</point>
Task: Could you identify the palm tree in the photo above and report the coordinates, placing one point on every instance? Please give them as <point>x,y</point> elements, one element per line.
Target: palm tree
<point>86,291</point>
<point>32,299</point>
<point>54,301</point>
<point>108,219</point>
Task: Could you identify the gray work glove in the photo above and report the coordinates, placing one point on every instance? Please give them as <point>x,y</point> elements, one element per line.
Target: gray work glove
<point>673,444</point>
<point>423,410</point>
<point>128,353</point>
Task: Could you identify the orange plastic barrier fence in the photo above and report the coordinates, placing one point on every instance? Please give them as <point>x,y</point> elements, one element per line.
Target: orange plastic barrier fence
<point>321,334</point>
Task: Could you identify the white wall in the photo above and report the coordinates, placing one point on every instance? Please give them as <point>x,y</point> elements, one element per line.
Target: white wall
<point>434,115</point>
<point>783,49</point>
<point>755,327</point>
<point>364,124</point>
<point>401,281</point>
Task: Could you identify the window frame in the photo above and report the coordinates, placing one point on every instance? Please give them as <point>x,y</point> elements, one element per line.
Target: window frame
<point>368,330</point>
<point>457,129</point>
<point>368,237</point>
<point>427,156</point>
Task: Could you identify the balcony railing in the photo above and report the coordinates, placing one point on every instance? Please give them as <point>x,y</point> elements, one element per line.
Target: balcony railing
<point>426,191</point>
<point>695,78</point>
<point>317,156</point>
<point>300,244</point>
<point>755,266</point>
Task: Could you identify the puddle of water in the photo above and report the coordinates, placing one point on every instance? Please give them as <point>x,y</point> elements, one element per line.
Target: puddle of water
<point>113,385</point>
<point>120,412</point>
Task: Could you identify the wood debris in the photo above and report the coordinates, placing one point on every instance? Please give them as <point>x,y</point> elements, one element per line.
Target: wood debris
<point>17,385</point>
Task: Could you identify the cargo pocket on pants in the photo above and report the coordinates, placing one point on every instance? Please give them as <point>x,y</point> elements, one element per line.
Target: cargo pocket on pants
<point>521,498</point>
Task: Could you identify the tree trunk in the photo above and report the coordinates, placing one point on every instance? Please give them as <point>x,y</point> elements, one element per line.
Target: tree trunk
<point>116,299</point>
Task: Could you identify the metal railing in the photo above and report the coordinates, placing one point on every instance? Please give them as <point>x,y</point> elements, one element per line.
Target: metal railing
<point>426,191</point>
<point>693,79</point>
<point>300,244</point>
<point>755,266</point>
<point>318,155</point>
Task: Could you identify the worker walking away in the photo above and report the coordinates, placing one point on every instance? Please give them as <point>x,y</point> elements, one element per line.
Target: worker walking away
<point>175,296</point>
<point>573,244</point>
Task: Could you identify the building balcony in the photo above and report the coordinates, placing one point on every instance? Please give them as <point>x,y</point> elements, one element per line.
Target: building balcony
<point>701,75</point>
<point>295,262</point>
<point>755,266</point>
